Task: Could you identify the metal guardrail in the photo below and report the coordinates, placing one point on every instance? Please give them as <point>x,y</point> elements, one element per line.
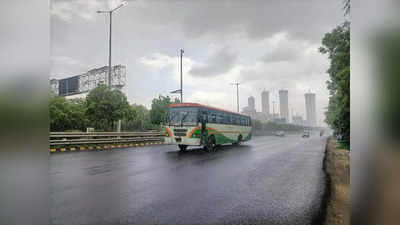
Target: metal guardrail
<point>81,138</point>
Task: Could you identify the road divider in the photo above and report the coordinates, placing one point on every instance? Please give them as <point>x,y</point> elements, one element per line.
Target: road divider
<point>74,141</point>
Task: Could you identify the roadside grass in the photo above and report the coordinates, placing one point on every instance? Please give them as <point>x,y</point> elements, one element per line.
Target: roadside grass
<point>338,169</point>
<point>344,145</point>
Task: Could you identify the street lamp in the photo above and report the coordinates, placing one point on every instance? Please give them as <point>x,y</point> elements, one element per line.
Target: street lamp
<point>109,44</point>
<point>237,94</point>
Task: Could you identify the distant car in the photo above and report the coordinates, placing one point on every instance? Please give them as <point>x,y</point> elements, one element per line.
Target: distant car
<point>280,133</point>
<point>306,133</point>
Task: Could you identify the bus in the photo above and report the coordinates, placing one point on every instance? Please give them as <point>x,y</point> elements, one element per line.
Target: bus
<point>193,124</point>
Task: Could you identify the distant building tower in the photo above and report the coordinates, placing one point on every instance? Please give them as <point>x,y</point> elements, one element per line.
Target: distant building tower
<point>250,109</point>
<point>311,115</point>
<point>284,105</point>
<point>265,102</point>
<point>251,103</point>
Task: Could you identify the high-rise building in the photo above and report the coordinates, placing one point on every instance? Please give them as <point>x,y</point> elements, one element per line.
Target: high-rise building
<point>284,105</point>
<point>250,109</point>
<point>311,114</point>
<point>265,102</point>
<point>251,103</point>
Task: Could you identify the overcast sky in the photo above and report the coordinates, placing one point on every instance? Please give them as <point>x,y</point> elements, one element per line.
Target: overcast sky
<point>267,45</point>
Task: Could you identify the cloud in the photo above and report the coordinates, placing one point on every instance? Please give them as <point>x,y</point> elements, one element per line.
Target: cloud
<point>83,9</point>
<point>65,65</point>
<point>256,19</point>
<point>218,63</point>
<point>281,54</point>
<point>282,48</point>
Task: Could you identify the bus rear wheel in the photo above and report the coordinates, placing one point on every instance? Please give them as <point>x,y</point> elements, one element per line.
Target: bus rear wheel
<point>182,147</point>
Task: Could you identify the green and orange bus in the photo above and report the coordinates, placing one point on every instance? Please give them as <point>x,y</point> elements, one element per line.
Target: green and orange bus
<point>193,124</point>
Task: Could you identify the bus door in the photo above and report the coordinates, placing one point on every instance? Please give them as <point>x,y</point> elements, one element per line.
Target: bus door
<point>203,121</point>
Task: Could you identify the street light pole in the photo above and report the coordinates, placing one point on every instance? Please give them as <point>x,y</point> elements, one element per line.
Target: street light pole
<point>237,94</point>
<point>109,43</point>
<point>181,51</point>
<point>109,53</point>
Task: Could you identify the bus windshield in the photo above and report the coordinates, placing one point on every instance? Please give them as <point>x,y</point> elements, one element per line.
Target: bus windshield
<point>182,116</point>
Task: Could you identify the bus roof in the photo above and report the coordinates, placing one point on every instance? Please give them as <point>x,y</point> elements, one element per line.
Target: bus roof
<point>189,104</point>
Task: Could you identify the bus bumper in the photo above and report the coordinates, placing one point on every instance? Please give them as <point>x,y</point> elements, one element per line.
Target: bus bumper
<point>182,141</point>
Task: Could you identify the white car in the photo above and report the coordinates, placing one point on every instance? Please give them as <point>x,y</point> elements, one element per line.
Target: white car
<point>280,133</point>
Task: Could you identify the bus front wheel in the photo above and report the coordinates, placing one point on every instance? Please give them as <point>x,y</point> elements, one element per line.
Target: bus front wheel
<point>239,140</point>
<point>211,144</point>
<point>182,147</point>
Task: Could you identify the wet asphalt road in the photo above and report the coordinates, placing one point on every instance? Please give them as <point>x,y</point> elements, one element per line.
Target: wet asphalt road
<point>269,180</point>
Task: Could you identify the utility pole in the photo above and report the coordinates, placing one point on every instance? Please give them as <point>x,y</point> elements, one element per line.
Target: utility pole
<point>237,94</point>
<point>181,51</point>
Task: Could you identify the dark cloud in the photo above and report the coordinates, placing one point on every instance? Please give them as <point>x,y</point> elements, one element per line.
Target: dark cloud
<point>285,54</point>
<point>256,18</point>
<point>217,64</point>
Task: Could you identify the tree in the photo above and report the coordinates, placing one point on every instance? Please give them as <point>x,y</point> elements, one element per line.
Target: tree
<point>77,116</point>
<point>58,113</point>
<point>67,114</point>
<point>159,109</point>
<point>140,122</point>
<point>337,45</point>
<point>104,106</point>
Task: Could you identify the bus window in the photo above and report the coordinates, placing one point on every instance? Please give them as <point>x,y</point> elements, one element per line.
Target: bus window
<point>227,118</point>
<point>220,118</point>
<point>213,118</point>
<point>234,120</point>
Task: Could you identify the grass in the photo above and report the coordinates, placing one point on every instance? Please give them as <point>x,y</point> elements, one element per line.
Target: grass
<point>344,145</point>
<point>338,169</point>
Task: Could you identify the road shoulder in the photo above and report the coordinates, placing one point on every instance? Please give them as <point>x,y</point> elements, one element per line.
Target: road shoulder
<point>337,167</point>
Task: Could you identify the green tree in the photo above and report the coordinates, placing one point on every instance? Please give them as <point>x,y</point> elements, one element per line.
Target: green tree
<point>104,106</point>
<point>141,121</point>
<point>58,113</point>
<point>159,109</point>
<point>77,114</point>
<point>337,45</point>
<point>67,114</point>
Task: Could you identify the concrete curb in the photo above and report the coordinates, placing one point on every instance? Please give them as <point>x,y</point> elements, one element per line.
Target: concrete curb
<point>320,217</point>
